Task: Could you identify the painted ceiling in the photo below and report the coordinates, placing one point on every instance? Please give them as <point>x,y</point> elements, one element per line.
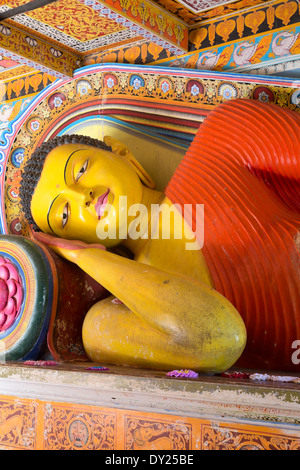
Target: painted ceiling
<point>54,40</point>
<point>65,34</point>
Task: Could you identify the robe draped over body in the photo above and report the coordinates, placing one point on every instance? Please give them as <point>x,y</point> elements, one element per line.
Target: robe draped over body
<point>244,166</point>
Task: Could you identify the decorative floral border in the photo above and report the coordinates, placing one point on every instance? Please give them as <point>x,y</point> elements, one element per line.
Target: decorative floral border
<point>147,20</point>
<point>244,55</point>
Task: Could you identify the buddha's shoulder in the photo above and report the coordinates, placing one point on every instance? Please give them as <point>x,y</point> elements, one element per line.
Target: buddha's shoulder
<point>181,254</point>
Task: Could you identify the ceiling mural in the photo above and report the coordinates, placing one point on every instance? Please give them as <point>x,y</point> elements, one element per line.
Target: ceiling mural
<point>194,11</point>
<point>6,63</point>
<point>67,34</point>
<point>246,23</point>
<point>65,31</point>
<point>71,23</point>
<point>196,6</point>
<point>267,38</point>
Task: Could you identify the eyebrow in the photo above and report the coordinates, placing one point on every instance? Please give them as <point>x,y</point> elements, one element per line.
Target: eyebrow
<point>65,169</point>
<point>48,213</point>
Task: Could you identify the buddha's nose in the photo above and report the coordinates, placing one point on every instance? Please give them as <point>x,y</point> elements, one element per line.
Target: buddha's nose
<point>89,198</point>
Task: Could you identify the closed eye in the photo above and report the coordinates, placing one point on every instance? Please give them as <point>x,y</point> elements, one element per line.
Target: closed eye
<point>81,171</point>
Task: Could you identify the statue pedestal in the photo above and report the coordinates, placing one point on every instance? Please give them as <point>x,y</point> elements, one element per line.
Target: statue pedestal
<point>69,407</point>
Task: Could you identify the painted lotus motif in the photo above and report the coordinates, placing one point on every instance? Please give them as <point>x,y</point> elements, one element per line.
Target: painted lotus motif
<point>11,293</point>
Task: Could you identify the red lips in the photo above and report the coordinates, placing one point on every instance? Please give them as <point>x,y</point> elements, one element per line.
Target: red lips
<point>101,203</point>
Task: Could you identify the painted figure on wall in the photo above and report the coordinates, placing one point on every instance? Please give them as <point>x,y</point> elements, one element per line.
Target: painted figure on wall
<point>172,306</point>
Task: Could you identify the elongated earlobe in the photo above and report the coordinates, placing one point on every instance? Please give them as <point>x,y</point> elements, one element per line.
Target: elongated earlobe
<point>122,150</point>
<point>142,174</point>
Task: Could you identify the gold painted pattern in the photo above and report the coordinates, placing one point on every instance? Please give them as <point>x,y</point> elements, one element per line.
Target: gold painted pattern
<point>18,422</point>
<point>190,18</point>
<point>48,425</point>
<point>36,50</point>
<point>248,22</point>
<point>73,18</point>
<point>66,429</point>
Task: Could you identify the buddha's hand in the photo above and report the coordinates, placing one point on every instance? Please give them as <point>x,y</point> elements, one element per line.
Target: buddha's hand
<point>68,249</point>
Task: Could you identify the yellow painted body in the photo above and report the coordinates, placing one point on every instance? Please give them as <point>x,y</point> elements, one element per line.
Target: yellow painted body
<point>168,314</point>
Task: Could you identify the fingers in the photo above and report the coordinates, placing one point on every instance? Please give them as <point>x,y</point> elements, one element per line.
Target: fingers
<point>49,240</point>
<point>56,242</point>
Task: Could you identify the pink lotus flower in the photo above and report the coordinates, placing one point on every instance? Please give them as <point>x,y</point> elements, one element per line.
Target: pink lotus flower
<point>183,373</point>
<point>11,293</point>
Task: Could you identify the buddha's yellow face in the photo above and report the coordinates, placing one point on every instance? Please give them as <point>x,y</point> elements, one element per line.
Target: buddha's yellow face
<point>79,194</point>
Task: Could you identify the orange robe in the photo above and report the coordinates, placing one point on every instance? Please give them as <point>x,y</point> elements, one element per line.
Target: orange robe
<point>244,166</point>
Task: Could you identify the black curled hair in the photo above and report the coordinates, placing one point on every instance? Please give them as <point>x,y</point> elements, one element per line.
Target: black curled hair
<point>32,170</point>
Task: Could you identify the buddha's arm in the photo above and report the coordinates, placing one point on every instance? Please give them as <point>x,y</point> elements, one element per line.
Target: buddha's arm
<point>169,302</point>
<point>173,304</point>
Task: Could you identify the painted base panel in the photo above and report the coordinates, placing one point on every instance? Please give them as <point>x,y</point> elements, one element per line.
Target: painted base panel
<point>68,408</point>
<point>38,425</point>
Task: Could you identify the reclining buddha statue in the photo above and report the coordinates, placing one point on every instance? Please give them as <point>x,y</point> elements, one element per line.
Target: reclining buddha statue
<point>182,301</point>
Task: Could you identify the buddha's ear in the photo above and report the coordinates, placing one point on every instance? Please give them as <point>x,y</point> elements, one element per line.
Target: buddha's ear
<point>123,151</point>
<point>117,147</point>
